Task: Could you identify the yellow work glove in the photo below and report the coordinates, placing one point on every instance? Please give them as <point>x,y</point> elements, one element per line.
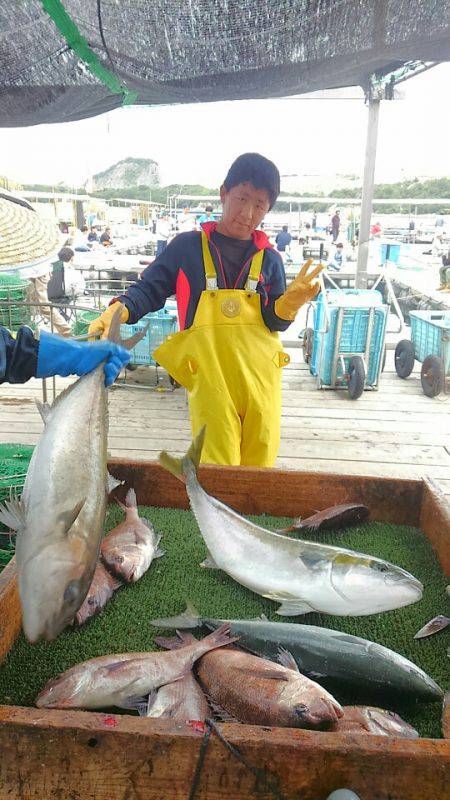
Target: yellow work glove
<point>102,324</point>
<point>298,292</point>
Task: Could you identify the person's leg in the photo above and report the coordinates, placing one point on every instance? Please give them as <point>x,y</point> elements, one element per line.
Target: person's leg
<point>40,290</point>
<point>212,407</point>
<point>262,420</point>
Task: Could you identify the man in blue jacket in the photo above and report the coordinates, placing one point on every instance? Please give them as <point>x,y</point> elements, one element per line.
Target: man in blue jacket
<point>232,301</point>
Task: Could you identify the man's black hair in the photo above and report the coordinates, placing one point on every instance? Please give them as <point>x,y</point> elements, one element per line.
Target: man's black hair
<point>65,254</point>
<point>257,170</point>
<point>285,227</point>
<point>209,208</point>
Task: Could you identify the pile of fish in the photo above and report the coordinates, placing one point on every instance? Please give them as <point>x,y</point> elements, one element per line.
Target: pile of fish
<point>229,683</point>
<point>322,653</point>
<point>303,576</point>
<point>126,552</point>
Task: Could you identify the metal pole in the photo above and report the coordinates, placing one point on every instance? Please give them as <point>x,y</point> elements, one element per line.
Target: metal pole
<point>367,195</point>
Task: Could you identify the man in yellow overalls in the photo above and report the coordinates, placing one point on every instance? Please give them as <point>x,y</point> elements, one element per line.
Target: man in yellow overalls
<point>232,301</point>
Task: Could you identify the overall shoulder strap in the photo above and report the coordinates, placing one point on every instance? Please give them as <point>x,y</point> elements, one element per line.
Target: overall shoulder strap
<point>208,263</point>
<point>255,271</point>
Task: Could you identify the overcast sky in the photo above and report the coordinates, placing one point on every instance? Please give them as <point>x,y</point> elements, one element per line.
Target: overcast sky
<point>196,143</point>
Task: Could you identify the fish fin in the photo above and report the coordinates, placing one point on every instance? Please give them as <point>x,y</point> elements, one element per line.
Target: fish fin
<point>220,712</point>
<point>112,482</point>
<point>187,619</point>
<point>13,514</point>
<point>177,466</point>
<point>116,583</point>
<point>293,608</point>
<point>435,625</point>
<point>287,659</point>
<point>209,563</point>
<point>290,604</point>
<point>139,704</point>
<point>168,642</point>
<point>130,500</point>
<point>270,674</point>
<point>159,552</point>
<point>44,410</point>
<point>68,518</point>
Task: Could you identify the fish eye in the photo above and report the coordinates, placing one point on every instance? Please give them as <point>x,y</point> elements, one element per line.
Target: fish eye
<point>300,710</point>
<point>381,567</point>
<point>71,592</point>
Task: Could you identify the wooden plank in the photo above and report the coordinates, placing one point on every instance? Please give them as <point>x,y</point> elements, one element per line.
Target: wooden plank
<point>292,428</point>
<point>435,522</point>
<point>10,612</point>
<point>273,491</point>
<point>94,756</point>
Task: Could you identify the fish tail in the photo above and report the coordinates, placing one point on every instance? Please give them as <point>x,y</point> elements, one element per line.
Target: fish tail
<point>114,331</point>
<point>180,467</point>
<point>219,638</point>
<point>187,619</point>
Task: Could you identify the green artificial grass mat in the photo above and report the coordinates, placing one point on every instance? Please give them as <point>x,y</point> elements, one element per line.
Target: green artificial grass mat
<point>123,626</point>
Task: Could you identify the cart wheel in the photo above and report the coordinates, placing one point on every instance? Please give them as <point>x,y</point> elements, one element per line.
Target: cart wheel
<point>307,344</point>
<point>432,376</point>
<point>132,367</point>
<point>356,377</point>
<point>404,358</point>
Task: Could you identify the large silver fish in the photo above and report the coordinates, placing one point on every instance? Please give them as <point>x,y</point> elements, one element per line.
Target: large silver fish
<point>60,517</point>
<point>303,576</point>
<point>115,680</point>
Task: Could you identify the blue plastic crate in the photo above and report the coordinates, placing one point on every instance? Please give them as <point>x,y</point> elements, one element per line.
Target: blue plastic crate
<point>430,335</point>
<point>356,305</point>
<point>161,324</point>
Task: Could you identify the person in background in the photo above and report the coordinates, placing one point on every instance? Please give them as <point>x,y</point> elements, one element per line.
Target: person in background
<point>163,230</point>
<point>105,238</point>
<point>74,283</point>
<point>314,221</point>
<point>78,239</point>
<point>444,273</point>
<point>339,260</point>
<point>375,229</point>
<point>335,225</point>
<point>92,235</point>
<point>438,248</point>
<point>207,216</point>
<point>232,300</point>
<point>283,239</point>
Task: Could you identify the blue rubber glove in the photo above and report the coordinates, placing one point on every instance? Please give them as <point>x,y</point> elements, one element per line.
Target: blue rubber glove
<point>59,356</point>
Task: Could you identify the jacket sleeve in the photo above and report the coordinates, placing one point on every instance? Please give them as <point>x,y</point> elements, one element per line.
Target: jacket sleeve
<point>18,357</point>
<point>274,286</point>
<point>156,284</point>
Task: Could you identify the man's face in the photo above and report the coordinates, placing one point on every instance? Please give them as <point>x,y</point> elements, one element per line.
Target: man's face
<point>243,209</point>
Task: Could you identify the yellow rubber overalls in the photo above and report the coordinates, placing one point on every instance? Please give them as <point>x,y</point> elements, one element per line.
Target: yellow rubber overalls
<point>230,363</point>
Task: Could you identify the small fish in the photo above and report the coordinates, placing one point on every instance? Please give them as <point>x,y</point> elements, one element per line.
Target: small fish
<point>101,590</point>
<point>435,625</point>
<point>117,680</point>
<point>373,721</point>
<point>129,549</point>
<point>446,716</point>
<point>322,651</point>
<point>303,576</point>
<point>341,516</point>
<point>259,692</point>
<point>184,699</point>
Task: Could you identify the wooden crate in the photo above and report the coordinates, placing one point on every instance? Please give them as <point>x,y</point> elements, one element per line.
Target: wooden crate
<point>77,755</point>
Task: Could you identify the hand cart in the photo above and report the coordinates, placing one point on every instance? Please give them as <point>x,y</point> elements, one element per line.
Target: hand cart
<point>430,344</point>
<point>346,346</point>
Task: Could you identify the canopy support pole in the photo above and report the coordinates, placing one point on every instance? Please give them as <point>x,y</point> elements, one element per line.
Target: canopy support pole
<point>367,194</point>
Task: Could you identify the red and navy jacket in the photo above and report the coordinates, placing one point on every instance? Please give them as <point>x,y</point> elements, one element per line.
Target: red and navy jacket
<point>179,271</point>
